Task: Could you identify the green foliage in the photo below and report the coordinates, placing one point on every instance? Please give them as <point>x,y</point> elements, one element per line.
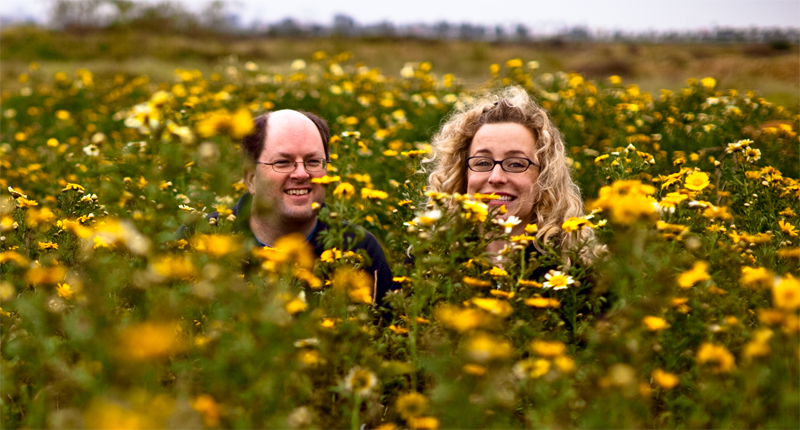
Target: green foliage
<point>689,319</point>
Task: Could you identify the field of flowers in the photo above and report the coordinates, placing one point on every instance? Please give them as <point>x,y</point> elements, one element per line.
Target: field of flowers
<point>110,321</point>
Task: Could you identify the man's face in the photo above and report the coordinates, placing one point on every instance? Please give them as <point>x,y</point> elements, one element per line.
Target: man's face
<point>285,198</point>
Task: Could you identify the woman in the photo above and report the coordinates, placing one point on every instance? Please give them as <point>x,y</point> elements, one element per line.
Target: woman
<point>504,143</point>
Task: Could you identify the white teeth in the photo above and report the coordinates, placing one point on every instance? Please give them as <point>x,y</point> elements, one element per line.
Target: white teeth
<point>298,192</point>
<point>504,199</point>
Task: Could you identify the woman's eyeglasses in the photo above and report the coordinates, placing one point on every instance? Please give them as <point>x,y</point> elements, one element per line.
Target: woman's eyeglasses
<point>511,165</point>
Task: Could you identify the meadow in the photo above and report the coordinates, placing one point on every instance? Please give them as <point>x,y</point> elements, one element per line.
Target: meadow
<point>108,320</point>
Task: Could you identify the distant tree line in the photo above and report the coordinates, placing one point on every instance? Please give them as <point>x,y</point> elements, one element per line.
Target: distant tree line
<point>215,18</point>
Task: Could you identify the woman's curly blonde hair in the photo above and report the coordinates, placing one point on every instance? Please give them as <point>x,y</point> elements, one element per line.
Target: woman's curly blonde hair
<point>559,197</point>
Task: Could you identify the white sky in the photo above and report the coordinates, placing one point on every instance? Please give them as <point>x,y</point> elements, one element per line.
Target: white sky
<point>539,15</point>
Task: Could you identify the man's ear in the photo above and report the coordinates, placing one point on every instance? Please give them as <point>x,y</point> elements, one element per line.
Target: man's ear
<point>249,175</point>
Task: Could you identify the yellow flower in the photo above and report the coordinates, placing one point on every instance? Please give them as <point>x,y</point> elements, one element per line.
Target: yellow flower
<point>39,218</point>
<point>326,179</point>
<point>73,187</point>
<point>177,267</point>
<point>308,277</point>
<point>461,320</point>
<point>423,423</point>
<point>542,302</point>
<point>497,272</point>
<point>698,273</point>
<point>429,218</point>
<point>208,408</point>
<point>709,83</point>
<point>475,211</point>
<point>411,405</point>
<point>13,256</point>
<point>474,369</point>
<point>786,294</point>
<point>717,355</point>
<point>329,255</point>
<point>483,347</point>
<point>22,202</point>
<point>696,181</point>
<point>356,283</point>
<point>719,213</point>
<point>664,379</point>
<point>496,307</point>
<point>531,228</point>
<point>148,340</point>
<point>473,282</point>
<point>45,275</point>
<point>576,224</point>
<point>310,357</point>
<point>564,363</point>
<point>628,201</point>
<point>367,193</point>
<point>527,283</point>
<point>787,228</point>
<point>238,125</point>
<point>398,330</point>
<point>294,305</point>
<point>290,248</point>
<point>516,62</point>
<point>344,190</point>
<point>557,280</point>
<point>48,245</point>
<point>655,323</point>
<point>215,245</point>
<point>64,291</point>
<point>755,277</point>
<point>360,381</point>
<point>531,368</point>
<point>549,349</point>
<point>759,344</point>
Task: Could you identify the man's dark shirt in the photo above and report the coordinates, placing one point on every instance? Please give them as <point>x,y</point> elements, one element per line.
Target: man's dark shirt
<point>378,268</point>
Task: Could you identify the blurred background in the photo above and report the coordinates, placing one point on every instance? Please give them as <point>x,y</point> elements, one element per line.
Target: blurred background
<point>745,44</point>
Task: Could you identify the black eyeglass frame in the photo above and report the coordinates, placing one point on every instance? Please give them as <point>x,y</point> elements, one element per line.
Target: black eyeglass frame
<point>531,163</point>
<point>295,163</point>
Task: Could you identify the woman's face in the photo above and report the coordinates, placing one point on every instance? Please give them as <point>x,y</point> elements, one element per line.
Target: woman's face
<point>518,191</point>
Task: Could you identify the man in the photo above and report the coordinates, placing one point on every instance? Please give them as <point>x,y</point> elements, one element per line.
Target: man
<point>287,149</point>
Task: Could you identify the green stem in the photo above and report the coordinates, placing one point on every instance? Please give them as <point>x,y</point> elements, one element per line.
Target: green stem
<point>354,421</point>
<point>574,314</point>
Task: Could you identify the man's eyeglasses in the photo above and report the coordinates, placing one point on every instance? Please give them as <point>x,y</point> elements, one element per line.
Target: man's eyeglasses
<point>511,165</point>
<point>286,166</point>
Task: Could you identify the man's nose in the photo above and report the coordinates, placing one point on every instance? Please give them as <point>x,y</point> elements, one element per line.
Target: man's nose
<point>300,171</point>
<point>498,175</point>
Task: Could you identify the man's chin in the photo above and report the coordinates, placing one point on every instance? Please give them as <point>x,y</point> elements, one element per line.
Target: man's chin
<point>298,214</point>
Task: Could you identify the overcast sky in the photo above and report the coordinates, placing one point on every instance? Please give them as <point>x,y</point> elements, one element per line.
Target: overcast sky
<point>540,16</point>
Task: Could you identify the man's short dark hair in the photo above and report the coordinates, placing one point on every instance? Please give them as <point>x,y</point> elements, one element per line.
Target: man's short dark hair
<point>253,143</point>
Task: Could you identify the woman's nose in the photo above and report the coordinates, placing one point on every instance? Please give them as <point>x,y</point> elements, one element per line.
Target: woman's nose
<point>498,175</point>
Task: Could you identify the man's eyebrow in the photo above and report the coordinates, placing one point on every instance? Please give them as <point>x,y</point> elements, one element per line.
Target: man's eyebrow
<point>309,155</point>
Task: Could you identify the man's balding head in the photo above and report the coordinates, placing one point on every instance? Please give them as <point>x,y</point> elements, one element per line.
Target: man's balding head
<point>253,144</point>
